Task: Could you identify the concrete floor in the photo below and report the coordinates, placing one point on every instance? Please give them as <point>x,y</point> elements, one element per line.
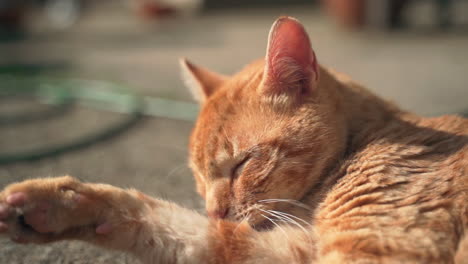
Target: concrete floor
<point>423,72</point>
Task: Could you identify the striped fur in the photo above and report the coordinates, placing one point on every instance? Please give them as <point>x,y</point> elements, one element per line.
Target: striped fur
<point>324,173</point>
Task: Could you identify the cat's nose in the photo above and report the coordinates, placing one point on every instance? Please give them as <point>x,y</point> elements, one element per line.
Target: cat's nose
<point>218,213</point>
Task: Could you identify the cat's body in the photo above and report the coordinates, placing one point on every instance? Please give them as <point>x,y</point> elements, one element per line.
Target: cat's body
<point>297,163</point>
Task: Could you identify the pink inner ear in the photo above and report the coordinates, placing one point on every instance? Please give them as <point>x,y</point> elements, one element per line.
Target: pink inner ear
<point>289,53</point>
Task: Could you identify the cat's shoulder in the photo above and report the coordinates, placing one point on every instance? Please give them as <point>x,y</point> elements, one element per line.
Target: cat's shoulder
<point>450,123</point>
<point>422,142</point>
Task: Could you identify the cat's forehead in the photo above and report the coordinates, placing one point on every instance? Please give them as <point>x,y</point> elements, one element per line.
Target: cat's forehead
<point>226,128</point>
<point>234,119</point>
<point>245,82</point>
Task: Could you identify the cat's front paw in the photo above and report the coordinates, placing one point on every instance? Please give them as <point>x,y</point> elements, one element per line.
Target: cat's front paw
<point>45,210</point>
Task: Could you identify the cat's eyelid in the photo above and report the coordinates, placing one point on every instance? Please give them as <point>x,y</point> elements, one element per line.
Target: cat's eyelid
<point>233,164</point>
<point>237,169</point>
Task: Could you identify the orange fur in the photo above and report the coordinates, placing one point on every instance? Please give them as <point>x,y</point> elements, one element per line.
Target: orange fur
<point>297,163</point>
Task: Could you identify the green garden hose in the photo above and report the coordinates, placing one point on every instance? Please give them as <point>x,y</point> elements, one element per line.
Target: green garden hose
<point>94,94</point>
<point>100,95</point>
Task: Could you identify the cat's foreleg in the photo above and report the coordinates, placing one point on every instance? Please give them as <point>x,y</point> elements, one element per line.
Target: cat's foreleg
<point>52,209</point>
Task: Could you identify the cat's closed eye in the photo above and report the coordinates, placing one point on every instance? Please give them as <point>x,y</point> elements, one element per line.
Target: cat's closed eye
<point>237,169</point>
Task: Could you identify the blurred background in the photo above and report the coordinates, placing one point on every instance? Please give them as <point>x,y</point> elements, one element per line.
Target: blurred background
<point>92,88</point>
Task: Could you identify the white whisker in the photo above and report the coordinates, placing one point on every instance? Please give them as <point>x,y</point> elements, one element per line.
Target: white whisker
<point>293,216</point>
<point>279,227</point>
<point>289,201</point>
<point>290,220</point>
<point>176,169</point>
<point>283,218</point>
<point>246,218</point>
<point>287,219</point>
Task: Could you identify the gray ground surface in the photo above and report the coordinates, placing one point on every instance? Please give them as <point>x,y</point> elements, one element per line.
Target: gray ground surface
<point>423,72</point>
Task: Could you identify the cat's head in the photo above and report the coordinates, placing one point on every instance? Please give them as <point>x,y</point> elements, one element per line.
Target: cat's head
<point>267,132</point>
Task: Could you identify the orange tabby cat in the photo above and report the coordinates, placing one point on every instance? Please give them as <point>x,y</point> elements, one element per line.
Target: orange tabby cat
<point>297,163</point>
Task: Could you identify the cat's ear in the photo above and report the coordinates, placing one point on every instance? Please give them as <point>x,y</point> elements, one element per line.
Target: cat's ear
<point>290,63</point>
<point>201,82</point>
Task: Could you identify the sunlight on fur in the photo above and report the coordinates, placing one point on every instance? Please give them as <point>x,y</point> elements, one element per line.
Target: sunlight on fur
<point>297,163</point>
